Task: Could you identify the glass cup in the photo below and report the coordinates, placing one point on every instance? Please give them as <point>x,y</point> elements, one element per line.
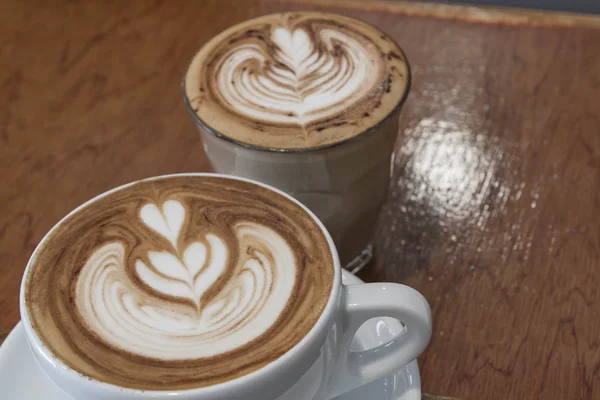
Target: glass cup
<point>345,185</point>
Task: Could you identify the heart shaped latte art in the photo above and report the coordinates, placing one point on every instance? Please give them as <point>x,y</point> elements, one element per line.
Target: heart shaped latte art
<point>184,302</point>
<point>302,81</point>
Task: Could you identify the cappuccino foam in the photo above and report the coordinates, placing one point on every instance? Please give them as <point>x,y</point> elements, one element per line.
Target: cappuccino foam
<point>296,80</point>
<point>179,282</point>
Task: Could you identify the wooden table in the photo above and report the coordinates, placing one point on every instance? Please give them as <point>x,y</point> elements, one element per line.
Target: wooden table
<point>494,209</point>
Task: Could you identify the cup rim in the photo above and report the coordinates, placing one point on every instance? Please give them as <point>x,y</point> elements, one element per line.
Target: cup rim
<point>262,376</point>
<point>359,136</point>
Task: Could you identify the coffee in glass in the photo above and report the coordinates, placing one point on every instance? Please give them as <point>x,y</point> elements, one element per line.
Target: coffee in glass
<point>308,103</point>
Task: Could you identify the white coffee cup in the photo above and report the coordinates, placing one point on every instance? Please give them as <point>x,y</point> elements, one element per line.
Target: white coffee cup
<point>319,367</point>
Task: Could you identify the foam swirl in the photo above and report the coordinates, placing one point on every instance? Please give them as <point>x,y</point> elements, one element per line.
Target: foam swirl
<point>296,80</point>
<point>162,284</point>
<point>302,81</point>
<point>122,314</point>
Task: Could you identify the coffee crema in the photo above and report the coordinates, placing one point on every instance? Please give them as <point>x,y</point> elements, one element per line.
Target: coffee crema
<point>179,282</point>
<point>296,80</point>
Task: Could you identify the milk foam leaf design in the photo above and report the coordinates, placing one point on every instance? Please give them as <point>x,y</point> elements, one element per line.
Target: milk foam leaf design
<point>144,319</point>
<point>167,221</point>
<point>164,284</point>
<point>194,256</point>
<point>215,267</point>
<point>188,275</point>
<point>302,81</point>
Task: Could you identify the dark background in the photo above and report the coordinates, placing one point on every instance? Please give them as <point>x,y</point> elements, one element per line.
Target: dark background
<point>584,6</point>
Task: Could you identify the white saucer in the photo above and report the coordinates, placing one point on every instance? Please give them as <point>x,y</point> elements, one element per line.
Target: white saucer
<point>21,379</point>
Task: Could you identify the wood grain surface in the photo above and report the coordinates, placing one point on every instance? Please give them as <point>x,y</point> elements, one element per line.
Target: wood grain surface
<point>494,209</point>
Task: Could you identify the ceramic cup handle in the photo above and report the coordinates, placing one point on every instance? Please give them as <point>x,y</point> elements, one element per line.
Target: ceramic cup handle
<point>362,302</point>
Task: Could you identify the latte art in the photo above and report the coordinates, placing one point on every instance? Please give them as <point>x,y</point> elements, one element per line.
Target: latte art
<point>179,282</point>
<point>302,82</point>
<point>297,80</point>
<point>122,315</point>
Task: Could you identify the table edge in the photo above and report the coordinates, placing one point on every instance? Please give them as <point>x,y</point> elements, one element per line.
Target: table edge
<point>466,13</point>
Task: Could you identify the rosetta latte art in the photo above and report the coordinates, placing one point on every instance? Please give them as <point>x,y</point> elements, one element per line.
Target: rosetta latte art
<point>109,302</point>
<point>296,80</point>
<point>302,82</point>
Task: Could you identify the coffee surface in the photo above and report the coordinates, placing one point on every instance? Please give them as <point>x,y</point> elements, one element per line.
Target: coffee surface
<point>179,282</point>
<point>296,80</point>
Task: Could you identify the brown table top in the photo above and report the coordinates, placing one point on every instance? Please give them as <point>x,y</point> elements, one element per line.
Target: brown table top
<point>494,213</point>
